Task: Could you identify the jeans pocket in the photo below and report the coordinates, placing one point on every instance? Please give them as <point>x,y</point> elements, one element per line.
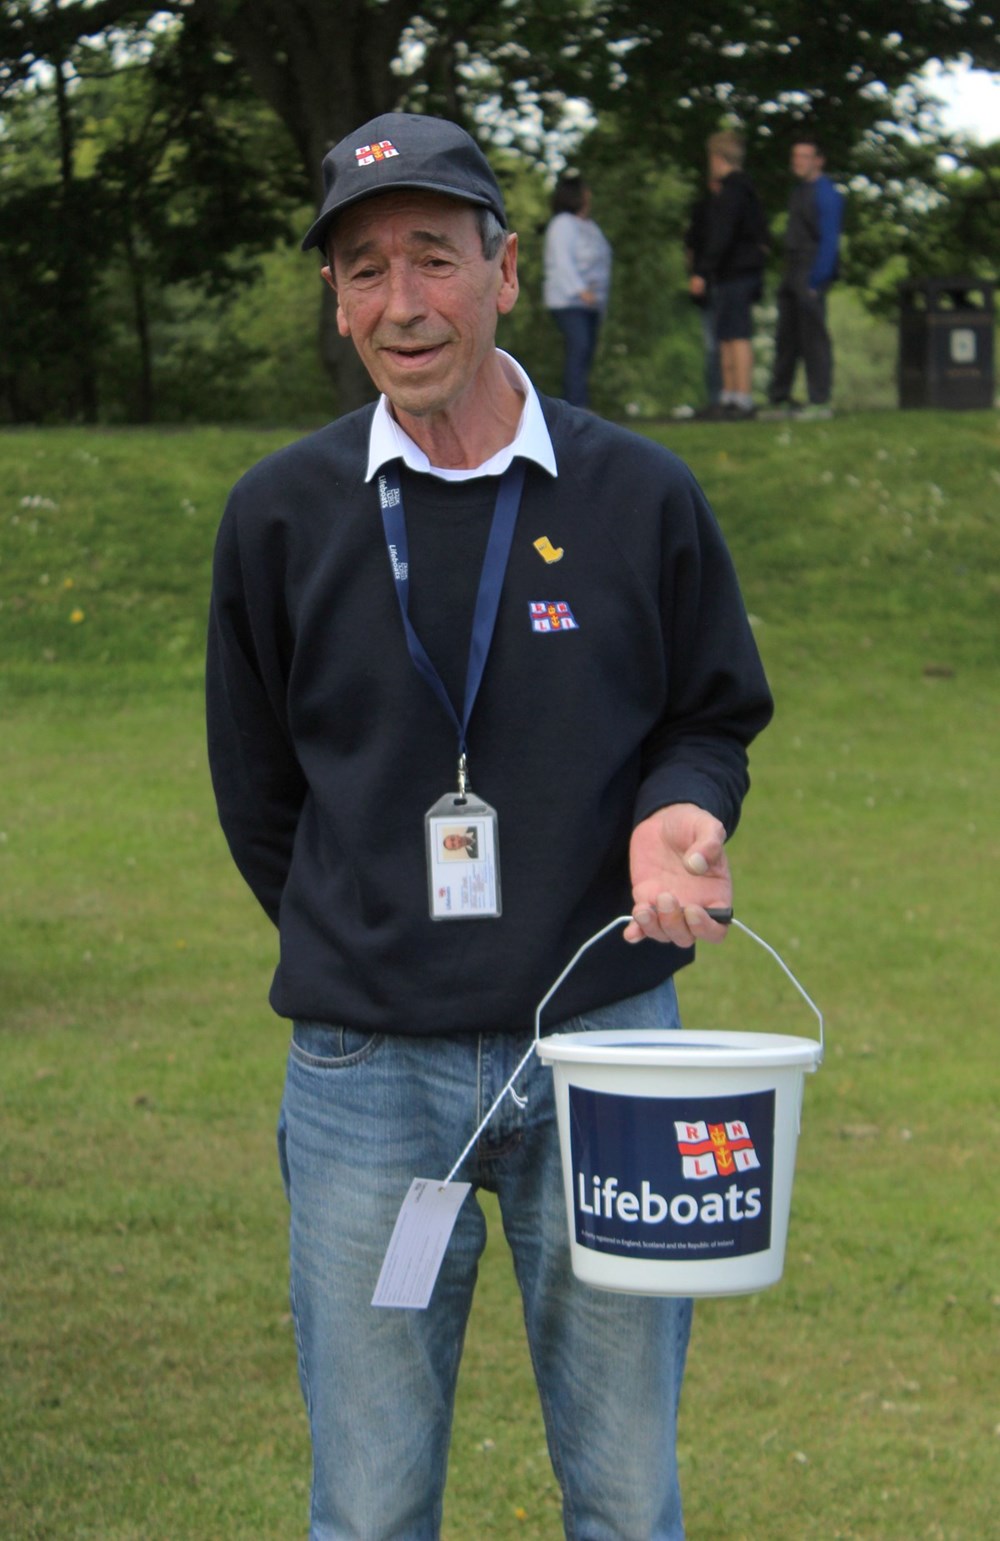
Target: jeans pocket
<point>324,1046</point>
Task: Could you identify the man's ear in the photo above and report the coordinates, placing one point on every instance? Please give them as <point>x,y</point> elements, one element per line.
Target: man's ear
<point>342,326</point>
<point>508,288</point>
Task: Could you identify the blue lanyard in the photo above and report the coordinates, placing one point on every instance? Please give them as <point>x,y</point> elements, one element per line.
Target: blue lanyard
<point>487,599</point>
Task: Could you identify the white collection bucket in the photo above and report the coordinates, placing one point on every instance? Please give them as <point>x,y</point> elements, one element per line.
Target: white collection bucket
<point>678,1152</point>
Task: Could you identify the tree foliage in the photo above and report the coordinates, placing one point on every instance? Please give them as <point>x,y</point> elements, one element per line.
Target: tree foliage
<point>928,216</point>
<point>175,177</point>
<point>129,173</point>
<point>771,68</point>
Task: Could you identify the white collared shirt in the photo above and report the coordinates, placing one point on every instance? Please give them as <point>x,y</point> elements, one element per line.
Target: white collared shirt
<point>388,441</point>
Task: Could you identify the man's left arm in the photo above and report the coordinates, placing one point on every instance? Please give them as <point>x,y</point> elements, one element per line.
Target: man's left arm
<point>695,763</point>
<point>830,216</point>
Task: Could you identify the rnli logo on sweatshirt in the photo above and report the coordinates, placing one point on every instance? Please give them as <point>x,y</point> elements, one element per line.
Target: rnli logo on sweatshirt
<point>552,615</point>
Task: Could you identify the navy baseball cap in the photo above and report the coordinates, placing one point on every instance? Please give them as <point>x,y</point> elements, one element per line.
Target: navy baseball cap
<point>404,149</point>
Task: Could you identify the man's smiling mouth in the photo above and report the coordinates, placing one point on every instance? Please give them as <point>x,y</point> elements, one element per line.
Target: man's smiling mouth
<point>412,355</point>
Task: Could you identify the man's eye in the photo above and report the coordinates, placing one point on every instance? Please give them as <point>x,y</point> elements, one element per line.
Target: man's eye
<point>367,273</point>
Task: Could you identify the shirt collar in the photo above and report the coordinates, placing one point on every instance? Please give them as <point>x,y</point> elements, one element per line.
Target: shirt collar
<point>387,440</point>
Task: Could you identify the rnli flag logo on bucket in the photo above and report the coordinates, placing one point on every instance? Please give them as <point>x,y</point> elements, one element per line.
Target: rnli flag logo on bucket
<point>672,1178</point>
<point>715,1150</point>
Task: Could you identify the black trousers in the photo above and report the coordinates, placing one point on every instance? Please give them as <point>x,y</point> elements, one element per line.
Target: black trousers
<point>801,334</point>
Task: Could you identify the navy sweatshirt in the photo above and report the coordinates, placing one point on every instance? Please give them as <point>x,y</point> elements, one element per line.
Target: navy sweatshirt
<point>327,748</point>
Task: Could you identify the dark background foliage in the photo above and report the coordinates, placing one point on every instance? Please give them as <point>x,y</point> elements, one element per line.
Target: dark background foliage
<point>158,161</point>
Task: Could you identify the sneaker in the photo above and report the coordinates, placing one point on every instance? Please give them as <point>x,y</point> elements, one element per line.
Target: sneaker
<point>737,414</point>
<point>815,412</point>
<point>778,411</point>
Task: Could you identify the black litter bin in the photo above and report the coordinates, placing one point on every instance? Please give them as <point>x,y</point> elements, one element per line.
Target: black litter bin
<point>946,343</point>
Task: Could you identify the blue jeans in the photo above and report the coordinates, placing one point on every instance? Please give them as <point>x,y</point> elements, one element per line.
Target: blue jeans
<point>579,327</point>
<point>361,1117</point>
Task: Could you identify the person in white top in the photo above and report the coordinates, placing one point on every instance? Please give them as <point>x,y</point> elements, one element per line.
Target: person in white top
<point>577,281</point>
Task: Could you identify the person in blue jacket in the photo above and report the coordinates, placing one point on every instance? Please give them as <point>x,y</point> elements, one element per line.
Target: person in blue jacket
<point>812,245</point>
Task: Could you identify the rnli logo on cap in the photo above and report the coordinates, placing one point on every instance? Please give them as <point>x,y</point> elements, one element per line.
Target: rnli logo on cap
<point>368,154</point>
<point>551,615</point>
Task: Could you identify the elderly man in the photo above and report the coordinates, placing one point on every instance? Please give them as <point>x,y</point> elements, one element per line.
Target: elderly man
<point>466,585</point>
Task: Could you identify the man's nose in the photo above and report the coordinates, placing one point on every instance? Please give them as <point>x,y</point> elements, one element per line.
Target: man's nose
<point>405,300</point>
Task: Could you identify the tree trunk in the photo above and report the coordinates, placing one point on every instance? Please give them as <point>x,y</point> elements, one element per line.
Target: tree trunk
<point>324,69</point>
<point>74,297</point>
<point>140,311</point>
<point>351,382</point>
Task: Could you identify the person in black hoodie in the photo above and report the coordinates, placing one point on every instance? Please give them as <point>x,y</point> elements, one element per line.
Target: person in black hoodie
<point>729,269</point>
<point>695,238</point>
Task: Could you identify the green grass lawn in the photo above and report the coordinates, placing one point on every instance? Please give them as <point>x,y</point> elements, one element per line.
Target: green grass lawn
<point>147,1365</point>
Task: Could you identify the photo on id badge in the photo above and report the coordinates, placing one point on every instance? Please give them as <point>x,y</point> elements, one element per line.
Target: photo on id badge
<point>460,843</point>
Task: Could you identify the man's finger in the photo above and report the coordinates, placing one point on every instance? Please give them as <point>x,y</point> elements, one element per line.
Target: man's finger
<point>664,922</point>
<point>704,857</point>
<point>707,925</point>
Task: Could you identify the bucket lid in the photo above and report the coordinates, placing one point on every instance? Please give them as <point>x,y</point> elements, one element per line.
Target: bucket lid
<point>680,1048</point>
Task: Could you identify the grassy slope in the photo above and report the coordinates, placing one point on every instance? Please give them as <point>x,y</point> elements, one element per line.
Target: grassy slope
<point>147,1360</point>
<point>870,553</point>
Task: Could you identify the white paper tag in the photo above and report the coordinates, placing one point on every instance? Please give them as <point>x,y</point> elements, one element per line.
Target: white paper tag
<point>419,1241</point>
<point>463,866</point>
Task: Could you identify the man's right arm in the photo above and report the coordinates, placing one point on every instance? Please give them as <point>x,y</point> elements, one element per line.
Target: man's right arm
<point>724,214</point>
<point>259,784</point>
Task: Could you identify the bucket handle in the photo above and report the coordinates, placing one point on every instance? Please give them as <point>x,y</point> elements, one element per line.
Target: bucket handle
<point>725,917</point>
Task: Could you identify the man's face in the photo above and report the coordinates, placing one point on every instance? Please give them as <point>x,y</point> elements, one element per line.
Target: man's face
<point>807,163</point>
<point>417,296</point>
<point>718,167</point>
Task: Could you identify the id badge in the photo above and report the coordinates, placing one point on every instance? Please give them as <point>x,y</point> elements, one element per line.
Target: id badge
<point>463,866</point>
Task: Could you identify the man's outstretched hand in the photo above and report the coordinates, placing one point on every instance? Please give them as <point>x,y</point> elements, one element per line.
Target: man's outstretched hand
<point>679,871</point>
